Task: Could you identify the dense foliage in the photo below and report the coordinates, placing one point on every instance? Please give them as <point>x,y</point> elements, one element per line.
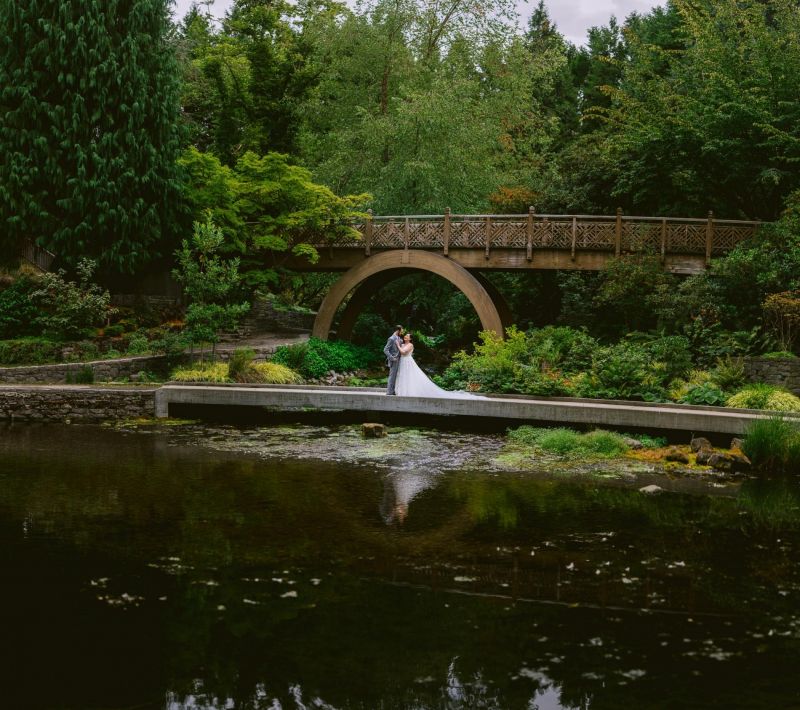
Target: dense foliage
<point>89,103</point>
<point>317,358</point>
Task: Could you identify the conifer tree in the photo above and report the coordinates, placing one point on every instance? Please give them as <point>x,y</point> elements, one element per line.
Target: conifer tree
<point>88,129</point>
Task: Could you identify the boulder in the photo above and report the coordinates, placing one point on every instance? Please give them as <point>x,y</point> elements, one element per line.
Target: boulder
<point>721,462</point>
<point>740,461</point>
<point>699,443</point>
<point>373,431</point>
<point>703,456</point>
<point>633,443</point>
<point>651,490</point>
<point>736,443</point>
<point>675,454</point>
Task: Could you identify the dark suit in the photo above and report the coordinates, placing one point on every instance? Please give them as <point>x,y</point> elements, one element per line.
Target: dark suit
<point>392,352</point>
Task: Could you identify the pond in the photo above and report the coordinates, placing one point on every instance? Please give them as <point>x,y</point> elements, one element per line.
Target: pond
<point>218,566</point>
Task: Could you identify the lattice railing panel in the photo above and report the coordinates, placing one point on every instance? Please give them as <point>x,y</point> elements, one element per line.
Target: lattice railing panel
<point>388,234</point>
<point>596,235</point>
<point>425,234</point>
<point>468,235</point>
<point>640,237</point>
<point>510,234</point>
<point>686,238</point>
<point>726,237</point>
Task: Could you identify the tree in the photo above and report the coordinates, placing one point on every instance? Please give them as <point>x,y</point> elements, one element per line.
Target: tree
<point>267,208</point>
<point>88,128</point>
<point>425,105</point>
<point>210,283</point>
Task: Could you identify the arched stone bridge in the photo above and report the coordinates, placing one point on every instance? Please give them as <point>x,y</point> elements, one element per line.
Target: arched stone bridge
<point>459,247</point>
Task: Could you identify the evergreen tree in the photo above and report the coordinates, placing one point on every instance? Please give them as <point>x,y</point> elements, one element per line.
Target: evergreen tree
<point>88,129</point>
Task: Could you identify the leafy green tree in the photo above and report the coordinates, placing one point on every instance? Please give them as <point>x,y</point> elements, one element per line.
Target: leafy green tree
<point>88,129</point>
<point>210,283</point>
<point>710,121</point>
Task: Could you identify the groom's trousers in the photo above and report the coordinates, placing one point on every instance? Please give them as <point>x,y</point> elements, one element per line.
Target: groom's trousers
<point>393,367</point>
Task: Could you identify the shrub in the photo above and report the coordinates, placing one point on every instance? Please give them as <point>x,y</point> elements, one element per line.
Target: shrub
<point>624,371</point>
<point>84,376</point>
<point>706,394</point>
<point>569,443</point>
<point>29,351</point>
<point>70,309</point>
<point>202,372</point>
<point>18,314</point>
<point>763,396</point>
<point>317,357</point>
<point>138,344</point>
<point>729,373</point>
<point>239,364</point>
<point>780,355</point>
<point>773,443</point>
<point>273,374</point>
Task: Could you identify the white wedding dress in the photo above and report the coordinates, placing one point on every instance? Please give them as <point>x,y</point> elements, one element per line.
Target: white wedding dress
<point>413,382</point>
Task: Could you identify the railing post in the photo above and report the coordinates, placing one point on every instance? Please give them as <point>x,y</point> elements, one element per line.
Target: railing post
<point>618,233</point>
<point>406,240</point>
<point>446,237</point>
<point>488,235</point>
<point>663,239</point>
<point>574,237</point>
<point>529,240</point>
<point>709,236</point>
<point>368,233</point>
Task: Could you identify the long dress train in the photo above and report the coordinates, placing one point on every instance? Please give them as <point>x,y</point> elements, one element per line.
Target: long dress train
<point>413,382</point>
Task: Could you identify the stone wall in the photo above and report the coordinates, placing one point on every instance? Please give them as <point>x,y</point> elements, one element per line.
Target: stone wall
<point>784,372</point>
<point>75,403</point>
<point>103,370</point>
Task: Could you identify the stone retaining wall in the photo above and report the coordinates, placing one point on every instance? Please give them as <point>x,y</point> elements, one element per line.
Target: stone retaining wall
<point>784,372</point>
<point>103,370</point>
<point>75,403</point>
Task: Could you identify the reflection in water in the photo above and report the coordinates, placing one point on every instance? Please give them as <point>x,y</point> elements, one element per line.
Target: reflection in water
<point>399,488</point>
<point>144,570</point>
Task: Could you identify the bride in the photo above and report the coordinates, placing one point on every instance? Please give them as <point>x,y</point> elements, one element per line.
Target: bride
<point>413,382</point>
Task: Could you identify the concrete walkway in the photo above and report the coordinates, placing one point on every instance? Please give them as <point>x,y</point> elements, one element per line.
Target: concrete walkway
<point>634,416</point>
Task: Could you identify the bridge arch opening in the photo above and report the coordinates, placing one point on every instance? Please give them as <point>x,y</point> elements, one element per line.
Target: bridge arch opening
<point>370,275</point>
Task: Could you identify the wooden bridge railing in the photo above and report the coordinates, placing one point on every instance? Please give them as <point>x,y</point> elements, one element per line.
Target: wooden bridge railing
<point>615,233</point>
<point>36,255</point>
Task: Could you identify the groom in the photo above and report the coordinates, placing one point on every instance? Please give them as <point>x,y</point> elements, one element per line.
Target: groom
<point>392,352</point>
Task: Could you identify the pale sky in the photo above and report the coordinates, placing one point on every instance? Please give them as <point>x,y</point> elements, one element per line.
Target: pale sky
<point>573,17</point>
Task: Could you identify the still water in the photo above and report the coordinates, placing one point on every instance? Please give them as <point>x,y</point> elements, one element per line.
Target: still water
<point>210,566</point>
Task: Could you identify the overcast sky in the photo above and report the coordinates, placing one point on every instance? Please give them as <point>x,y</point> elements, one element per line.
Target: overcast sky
<point>573,17</point>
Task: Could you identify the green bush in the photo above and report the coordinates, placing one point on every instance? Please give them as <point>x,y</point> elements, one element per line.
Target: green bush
<point>84,376</point>
<point>706,393</point>
<point>780,355</point>
<point>138,344</point>
<point>729,373</point>
<point>624,371</point>
<point>202,372</point>
<point>763,396</point>
<point>773,444</point>
<point>569,443</point>
<point>317,357</point>
<point>29,351</point>
<point>19,316</point>
<point>71,309</point>
<point>239,363</point>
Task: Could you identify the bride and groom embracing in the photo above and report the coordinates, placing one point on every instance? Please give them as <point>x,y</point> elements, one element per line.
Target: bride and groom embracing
<point>406,379</point>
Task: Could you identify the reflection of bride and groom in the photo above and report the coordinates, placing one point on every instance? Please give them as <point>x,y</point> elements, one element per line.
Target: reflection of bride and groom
<point>406,379</point>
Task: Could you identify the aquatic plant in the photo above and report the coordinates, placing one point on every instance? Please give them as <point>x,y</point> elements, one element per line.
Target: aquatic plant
<point>569,443</point>
<point>763,396</point>
<point>774,444</point>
